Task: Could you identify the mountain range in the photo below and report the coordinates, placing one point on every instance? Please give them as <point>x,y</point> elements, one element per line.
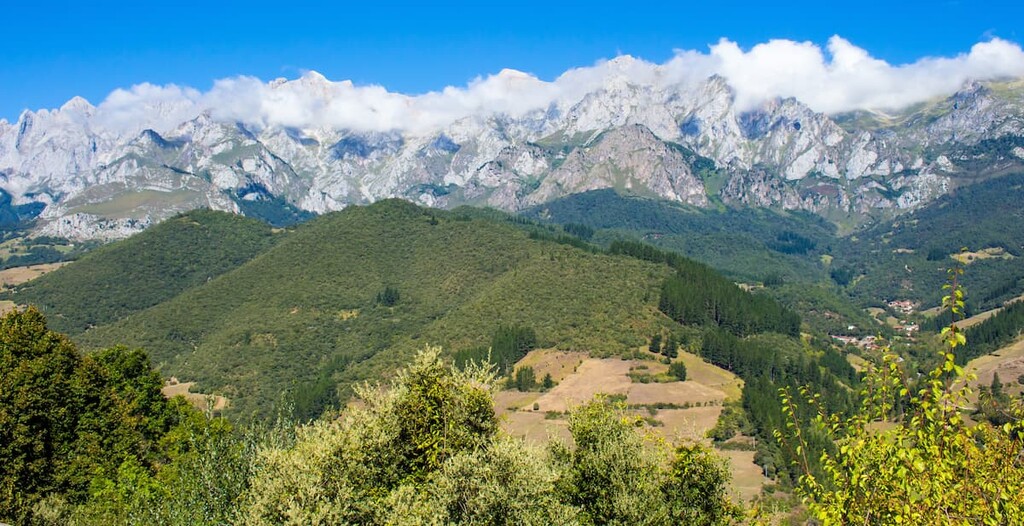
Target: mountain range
<point>688,142</point>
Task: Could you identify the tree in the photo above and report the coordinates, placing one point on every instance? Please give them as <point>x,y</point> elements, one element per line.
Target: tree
<point>38,410</point>
<point>67,422</point>
<point>671,349</point>
<point>388,297</point>
<point>931,467</point>
<point>996,386</point>
<point>547,383</point>
<point>678,371</point>
<point>525,379</point>
<point>655,345</point>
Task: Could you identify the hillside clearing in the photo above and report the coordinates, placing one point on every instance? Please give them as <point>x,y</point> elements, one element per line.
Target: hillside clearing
<point>675,411</point>
<point>203,402</point>
<point>1008,362</point>
<point>18,275</point>
<point>966,258</point>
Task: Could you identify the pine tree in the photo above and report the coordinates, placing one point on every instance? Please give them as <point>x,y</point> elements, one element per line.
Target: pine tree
<point>655,346</point>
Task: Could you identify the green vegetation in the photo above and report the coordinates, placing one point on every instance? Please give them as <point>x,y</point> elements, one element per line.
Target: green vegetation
<point>930,467</point>
<point>388,297</point>
<point>697,295</point>
<point>124,278</point>
<point>70,424</point>
<point>899,259</point>
<point>744,243</point>
<point>993,333</point>
<point>677,370</point>
<point>426,448</point>
<point>302,316</point>
<point>524,379</point>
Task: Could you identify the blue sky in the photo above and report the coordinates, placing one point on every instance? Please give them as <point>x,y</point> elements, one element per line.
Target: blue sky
<point>54,51</point>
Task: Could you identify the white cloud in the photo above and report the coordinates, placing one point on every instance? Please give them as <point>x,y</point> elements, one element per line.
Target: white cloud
<point>146,106</point>
<point>839,78</point>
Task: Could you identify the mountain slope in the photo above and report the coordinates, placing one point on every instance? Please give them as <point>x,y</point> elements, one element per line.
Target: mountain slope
<point>308,308</point>
<point>120,279</point>
<point>745,244</point>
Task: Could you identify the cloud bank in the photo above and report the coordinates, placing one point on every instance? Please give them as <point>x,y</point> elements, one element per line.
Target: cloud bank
<point>841,77</point>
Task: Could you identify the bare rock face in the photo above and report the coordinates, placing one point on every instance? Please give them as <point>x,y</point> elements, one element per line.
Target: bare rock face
<point>663,141</point>
<point>631,158</point>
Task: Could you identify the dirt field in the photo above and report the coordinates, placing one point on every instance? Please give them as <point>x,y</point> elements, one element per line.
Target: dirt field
<point>580,378</point>
<point>19,275</point>
<point>686,424</point>
<point>201,401</point>
<point>1008,362</point>
<point>747,477</point>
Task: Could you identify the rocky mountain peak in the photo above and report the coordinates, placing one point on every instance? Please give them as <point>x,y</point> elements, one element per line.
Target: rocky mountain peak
<point>629,132</point>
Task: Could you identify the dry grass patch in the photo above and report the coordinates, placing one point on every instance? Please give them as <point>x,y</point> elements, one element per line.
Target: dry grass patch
<point>512,400</point>
<point>535,427</point>
<point>687,424</point>
<point>580,378</point>
<point>7,306</point>
<point>559,364</point>
<point>677,393</point>
<point>1008,362</point>
<point>859,364</point>
<point>966,258</point>
<point>18,275</point>
<point>593,376</point>
<point>701,372</point>
<point>747,477</point>
<point>201,401</point>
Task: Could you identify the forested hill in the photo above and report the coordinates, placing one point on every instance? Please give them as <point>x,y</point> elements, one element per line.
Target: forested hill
<point>808,266</point>
<point>122,278</point>
<point>349,296</point>
<point>746,244</point>
<point>907,257</point>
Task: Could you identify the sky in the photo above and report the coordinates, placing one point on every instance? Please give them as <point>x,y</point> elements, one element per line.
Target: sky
<point>53,51</point>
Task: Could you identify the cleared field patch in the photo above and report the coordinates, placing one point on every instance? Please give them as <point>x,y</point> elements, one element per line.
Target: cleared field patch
<point>1008,362</point>
<point>703,373</point>
<point>747,477</point>
<point>858,363</point>
<point>18,275</point>
<point>674,393</point>
<point>593,376</point>
<point>967,258</point>
<point>201,401</point>
<point>686,424</point>
<point>7,306</point>
<point>559,364</point>
<point>512,400</point>
<point>535,426</point>
<point>687,409</point>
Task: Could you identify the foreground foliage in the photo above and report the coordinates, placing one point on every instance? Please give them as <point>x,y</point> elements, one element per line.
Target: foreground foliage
<point>90,440</point>
<point>70,424</point>
<point>427,450</point>
<point>932,466</point>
